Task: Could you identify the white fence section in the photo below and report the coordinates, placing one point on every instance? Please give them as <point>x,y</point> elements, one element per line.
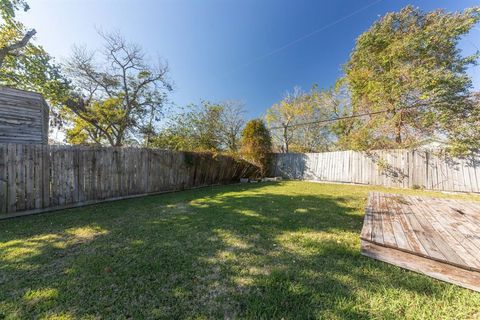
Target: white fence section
<point>390,168</point>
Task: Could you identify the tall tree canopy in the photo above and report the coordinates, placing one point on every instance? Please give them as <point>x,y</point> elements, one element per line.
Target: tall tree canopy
<point>409,63</point>
<point>118,97</point>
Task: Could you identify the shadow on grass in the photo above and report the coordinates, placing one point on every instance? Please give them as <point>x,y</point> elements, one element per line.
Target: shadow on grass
<point>254,251</point>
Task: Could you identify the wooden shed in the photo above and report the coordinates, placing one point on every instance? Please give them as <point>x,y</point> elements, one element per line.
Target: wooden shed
<point>23,117</point>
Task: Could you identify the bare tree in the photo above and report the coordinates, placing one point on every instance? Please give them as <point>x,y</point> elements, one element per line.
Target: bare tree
<point>232,121</point>
<point>116,97</point>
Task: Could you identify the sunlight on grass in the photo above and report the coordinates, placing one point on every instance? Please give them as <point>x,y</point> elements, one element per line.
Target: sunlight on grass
<point>59,316</point>
<point>18,250</point>
<point>249,213</point>
<point>85,234</point>
<point>35,296</point>
<point>231,240</point>
<point>249,274</point>
<point>271,250</point>
<point>306,243</point>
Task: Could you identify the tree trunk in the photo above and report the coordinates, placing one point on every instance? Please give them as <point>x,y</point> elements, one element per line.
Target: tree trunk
<point>398,137</point>
<point>285,139</point>
<point>398,129</point>
<point>118,142</point>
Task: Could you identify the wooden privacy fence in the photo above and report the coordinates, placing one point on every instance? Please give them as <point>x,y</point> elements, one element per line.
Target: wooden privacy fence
<point>39,177</point>
<point>390,168</point>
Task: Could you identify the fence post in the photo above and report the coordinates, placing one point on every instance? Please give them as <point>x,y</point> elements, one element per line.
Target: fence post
<point>411,167</point>
<point>3,178</point>
<point>45,165</point>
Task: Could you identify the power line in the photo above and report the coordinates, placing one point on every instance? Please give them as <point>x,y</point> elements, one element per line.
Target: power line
<point>305,36</point>
<point>340,118</point>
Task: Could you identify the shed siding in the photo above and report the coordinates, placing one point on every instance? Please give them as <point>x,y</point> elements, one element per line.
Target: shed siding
<point>23,117</point>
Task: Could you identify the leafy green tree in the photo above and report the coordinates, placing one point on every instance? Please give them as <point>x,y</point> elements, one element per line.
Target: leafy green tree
<point>205,127</point>
<point>103,114</point>
<point>116,99</point>
<point>293,120</point>
<point>409,64</point>
<point>197,128</point>
<point>257,144</point>
<point>465,135</point>
<point>337,101</point>
<point>284,116</point>
<point>208,126</point>
<point>23,64</point>
<point>14,36</point>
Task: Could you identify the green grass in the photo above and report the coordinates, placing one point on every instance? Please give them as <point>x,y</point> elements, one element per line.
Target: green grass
<point>277,250</point>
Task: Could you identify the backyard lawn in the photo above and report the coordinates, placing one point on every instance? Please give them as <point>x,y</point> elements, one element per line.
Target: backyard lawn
<point>275,250</point>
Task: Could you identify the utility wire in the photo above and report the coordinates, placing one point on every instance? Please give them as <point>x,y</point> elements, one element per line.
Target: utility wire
<point>305,36</point>
<point>340,118</point>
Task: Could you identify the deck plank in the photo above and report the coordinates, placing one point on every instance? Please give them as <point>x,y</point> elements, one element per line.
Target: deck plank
<point>400,234</point>
<point>412,238</point>
<point>455,239</point>
<point>377,230</point>
<point>389,235</point>
<point>367,221</point>
<point>435,269</point>
<point>423,235</point>
<point>462,222</point>
<point>429,226</point>
<point>470,211</point>
<point>437,237</point>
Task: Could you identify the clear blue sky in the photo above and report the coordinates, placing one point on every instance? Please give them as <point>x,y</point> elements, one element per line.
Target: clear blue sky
<point>249,50</point>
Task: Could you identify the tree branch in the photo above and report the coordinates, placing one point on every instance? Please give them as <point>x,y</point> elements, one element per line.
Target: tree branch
<point>16,46</point>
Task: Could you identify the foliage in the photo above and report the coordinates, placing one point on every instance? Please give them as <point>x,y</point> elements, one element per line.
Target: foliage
<point>339,103</point>
<point>249,251</point>
<point>116,99</point>
<point>23,64</point>
<point>102,113</point>
<point>195,129</point>
<point>465,135</point>
<point>13,36</point>
<point>287,121</point>
<point>192,159</point>
<point>208,126</point>
<point>231,124</point>
<point>409,63</point>
<point>204,127</point>
<point>8,8</point>
<point>284,115</point>
<point>257,144</point>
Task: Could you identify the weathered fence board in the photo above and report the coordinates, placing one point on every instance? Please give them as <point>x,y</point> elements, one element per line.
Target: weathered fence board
<point>3,179</point>
<point>390,168</point>
<point>23,117</point>
<point>39,177</point>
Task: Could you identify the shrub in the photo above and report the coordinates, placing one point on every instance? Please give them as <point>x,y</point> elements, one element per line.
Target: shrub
<point>257,144</point>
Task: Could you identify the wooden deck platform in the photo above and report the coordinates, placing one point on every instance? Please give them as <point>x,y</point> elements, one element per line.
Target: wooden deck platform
<point>436,237</point>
